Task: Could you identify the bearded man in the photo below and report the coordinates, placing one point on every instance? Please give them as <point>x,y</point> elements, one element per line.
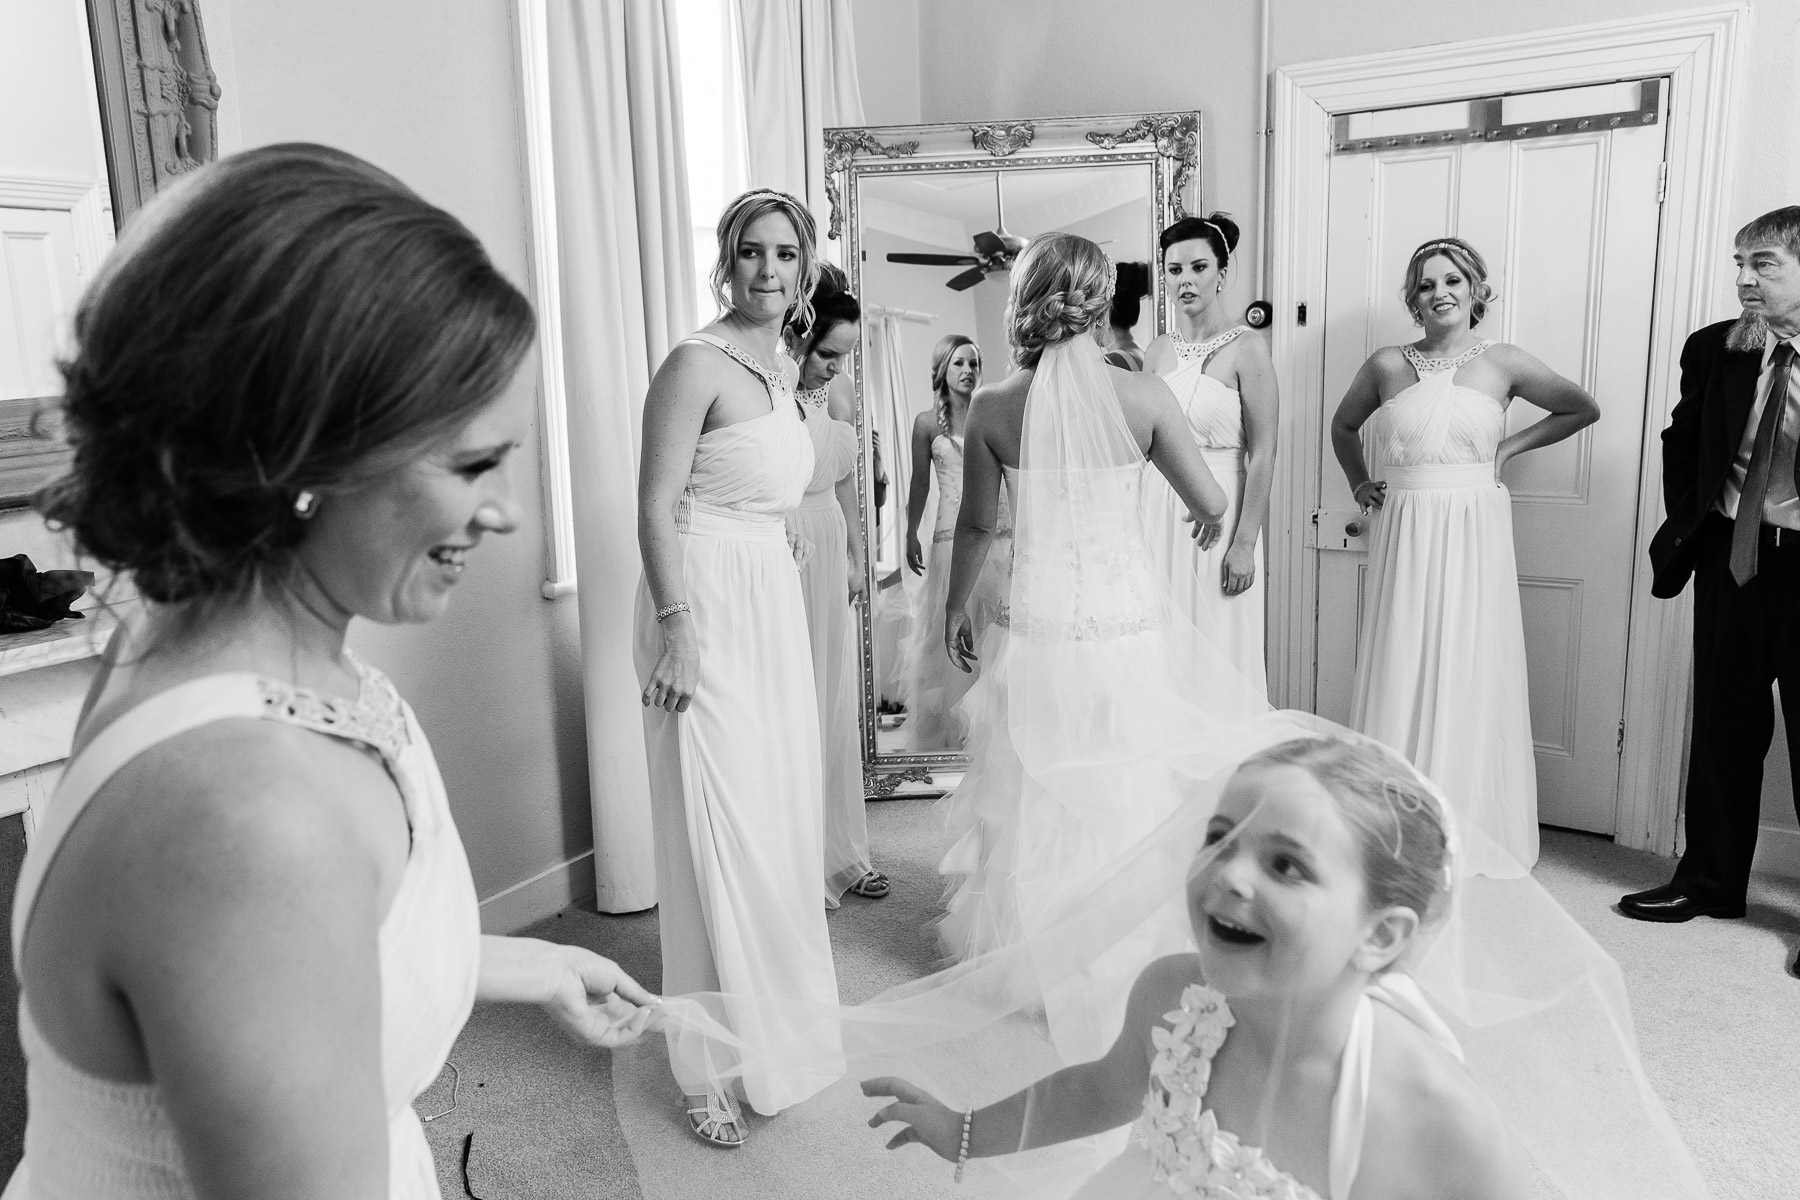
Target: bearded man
<point>1733,524</point>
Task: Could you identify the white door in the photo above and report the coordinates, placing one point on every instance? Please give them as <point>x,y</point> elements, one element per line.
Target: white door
<point>1567,222</point>
<point>39,282</point>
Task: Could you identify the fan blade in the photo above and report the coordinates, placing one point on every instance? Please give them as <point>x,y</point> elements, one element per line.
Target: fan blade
<point>988,245</point>
<point>967,280</point>
<point>934,260</point>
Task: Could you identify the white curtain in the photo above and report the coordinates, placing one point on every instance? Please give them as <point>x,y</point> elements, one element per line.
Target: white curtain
<point>627,277</point>
<point>890,413</point>
<point>799,76</point>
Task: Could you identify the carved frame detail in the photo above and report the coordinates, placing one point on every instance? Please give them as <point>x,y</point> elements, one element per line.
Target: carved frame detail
<point>1177,137</point>
<point>1002,139</point>
<point>841,145</point>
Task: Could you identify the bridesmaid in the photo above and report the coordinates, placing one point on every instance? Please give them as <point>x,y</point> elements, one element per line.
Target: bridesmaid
<point>1440,665</point>
<point>1225,383</point>
<point>829,520</point>
<point>731,718</point>
<point>935,686</point>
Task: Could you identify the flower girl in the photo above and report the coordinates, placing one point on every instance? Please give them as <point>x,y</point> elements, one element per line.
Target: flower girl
<point>1289,1057</point>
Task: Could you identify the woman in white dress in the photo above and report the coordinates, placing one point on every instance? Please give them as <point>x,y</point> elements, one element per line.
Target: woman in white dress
<point>1078,692</point>
<point>731,719</point>
<point>833,576</point>
<point>935,689</point>
<point>1440,665</point>
<point>245,930</point>
<point>1225,383</point>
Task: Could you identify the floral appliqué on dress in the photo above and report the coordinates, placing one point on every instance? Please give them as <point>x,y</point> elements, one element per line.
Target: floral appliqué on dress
<point>1188,1149</point>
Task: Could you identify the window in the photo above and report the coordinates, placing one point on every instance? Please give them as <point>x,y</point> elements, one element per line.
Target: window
<point>713,113</point>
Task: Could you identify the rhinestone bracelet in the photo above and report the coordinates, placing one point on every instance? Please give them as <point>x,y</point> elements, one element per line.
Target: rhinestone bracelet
<point>667,611</point>
<point>962,1155</point>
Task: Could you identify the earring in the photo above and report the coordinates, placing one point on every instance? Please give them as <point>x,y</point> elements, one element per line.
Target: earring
<point>306,504</point>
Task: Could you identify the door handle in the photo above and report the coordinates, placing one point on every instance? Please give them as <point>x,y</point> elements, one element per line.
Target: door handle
<point>1353,529</point>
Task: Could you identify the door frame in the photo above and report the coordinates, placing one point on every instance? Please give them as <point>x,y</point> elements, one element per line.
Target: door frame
<point>1700,50</point>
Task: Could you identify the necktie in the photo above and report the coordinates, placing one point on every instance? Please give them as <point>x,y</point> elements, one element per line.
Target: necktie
<point>1748,525</point>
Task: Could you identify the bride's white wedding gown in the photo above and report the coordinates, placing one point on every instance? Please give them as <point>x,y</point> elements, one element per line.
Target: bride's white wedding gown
<point>1440,670</point>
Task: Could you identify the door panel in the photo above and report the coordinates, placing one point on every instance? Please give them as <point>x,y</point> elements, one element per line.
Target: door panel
<point>38,284</point>
<point>1568,226</point>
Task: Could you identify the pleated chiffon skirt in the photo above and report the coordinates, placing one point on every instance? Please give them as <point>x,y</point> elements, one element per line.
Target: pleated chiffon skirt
<point>1440,671</point>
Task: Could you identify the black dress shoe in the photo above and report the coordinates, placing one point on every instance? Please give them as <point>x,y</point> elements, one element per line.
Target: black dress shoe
<point>1672,902</point>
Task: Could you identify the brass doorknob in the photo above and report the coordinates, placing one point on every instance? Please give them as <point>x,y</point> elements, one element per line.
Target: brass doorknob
<point>1353,529</point>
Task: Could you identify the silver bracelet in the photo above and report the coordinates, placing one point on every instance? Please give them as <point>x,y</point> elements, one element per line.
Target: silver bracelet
<point>667,611</point>
<point>962,1155</point>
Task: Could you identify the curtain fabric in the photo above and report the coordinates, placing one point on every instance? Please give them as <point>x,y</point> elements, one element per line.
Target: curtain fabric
<point>799,77</point>
<point>627,278</point>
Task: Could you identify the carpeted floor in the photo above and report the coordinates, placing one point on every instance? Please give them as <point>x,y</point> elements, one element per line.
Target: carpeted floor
<point>1718,1020</point>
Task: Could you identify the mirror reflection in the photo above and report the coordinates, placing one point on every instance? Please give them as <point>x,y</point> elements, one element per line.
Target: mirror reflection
<point>935,250</point>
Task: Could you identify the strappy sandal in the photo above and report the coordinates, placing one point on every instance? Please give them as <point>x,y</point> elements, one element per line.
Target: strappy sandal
<point>719,1121</point>
<point>874,885</point>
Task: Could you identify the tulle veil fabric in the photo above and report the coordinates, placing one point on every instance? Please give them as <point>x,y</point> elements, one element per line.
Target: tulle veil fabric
<point>1538,1010</point>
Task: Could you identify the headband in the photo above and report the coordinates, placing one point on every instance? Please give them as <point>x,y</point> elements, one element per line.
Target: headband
<point>1442,243</point>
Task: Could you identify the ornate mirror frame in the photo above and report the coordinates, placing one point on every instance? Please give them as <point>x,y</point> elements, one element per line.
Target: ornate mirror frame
<point>1168,142</point>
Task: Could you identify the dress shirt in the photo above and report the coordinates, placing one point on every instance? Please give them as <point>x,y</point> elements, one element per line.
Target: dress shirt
<point>1781,505</point>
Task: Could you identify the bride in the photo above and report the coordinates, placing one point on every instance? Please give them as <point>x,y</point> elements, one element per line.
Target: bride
<point>1076,698</point>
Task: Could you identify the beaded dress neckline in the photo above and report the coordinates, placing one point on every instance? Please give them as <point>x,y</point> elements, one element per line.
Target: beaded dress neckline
<point>1188,351</point>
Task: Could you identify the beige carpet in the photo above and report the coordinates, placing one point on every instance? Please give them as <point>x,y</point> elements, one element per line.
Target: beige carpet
<point>1718,1019</point>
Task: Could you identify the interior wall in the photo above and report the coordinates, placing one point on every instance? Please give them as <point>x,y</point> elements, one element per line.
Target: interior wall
<point>887,59</point>
<point>496,681</point>
<point>1054,58</point>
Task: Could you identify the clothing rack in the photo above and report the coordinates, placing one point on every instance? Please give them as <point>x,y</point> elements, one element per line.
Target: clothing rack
<point>905,314</point>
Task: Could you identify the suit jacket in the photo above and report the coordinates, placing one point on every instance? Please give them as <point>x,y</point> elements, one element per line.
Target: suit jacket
<point>1718,388</point>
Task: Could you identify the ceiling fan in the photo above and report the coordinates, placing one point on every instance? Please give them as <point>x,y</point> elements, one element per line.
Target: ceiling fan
<point>993,251</point>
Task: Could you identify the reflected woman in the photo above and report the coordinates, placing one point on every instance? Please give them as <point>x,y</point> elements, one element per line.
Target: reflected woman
<point>833,575</point>
<point>934,686</point>
<point>731,719</point>
<point>1132,284</point>
<point>1225,383</point>
<point>1440,664</point>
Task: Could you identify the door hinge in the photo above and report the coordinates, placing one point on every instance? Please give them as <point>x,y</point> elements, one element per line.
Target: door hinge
<point>1621,746</point>
<point>1662,181</point>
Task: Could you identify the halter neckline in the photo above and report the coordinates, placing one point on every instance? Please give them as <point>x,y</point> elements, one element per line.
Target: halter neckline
<point>1202,351</point>
<point>1432,366</point>
<point>814,398</point>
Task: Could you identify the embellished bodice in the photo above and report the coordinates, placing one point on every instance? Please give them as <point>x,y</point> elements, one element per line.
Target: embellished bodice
<point>947,467</point>
<point>92,1136</point>
<point>1436,420</point>
<point>1188,1150</point>
<point>1215,410</point>
<point>758,467</point>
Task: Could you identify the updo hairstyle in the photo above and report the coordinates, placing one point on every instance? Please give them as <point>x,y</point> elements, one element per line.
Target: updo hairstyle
<point>287,319</point>
<point>1131,283</point>
<point>940,373</point>
<point>744,212</point>
<point>1467,259</point>
<point>1397,822</point>
<point>1062,285</point>
<point>832,305</point>
<point>1216,229</point>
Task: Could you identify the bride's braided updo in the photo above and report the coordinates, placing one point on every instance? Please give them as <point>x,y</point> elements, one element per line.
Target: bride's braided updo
<point>1062,285</point>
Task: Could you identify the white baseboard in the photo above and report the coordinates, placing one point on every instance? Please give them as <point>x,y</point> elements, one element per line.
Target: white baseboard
<point>543,895</point>
<point>1778,851</point>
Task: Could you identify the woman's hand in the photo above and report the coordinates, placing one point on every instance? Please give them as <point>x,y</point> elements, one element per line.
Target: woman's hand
<point>928,1121</point>
<point>959,640</point>
<point>915,554</point>
<point>1206,533</point>
<point>1239,569</point>
<point>859,579</point>
<point>1501,457</point>
<point>1371,493</point>
<point>677,671</point>
<point>801,548</point>
<point>587,994</point>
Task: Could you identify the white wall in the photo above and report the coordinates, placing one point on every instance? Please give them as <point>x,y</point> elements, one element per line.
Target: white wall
<point>887,59</point>
<point>496,682</point>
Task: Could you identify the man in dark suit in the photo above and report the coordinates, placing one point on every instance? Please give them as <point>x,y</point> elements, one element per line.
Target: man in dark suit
<point>1733,499</point>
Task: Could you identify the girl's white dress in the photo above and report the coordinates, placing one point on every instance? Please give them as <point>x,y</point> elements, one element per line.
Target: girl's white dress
<point>1215,412</point>
<point>824,582</point>
<point>95,1139</point>
<point>936,687</point>
<point>735,781</point>
<point>1440,670</point>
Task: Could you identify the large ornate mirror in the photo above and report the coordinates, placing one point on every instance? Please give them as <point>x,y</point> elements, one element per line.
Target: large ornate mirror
<point>931,217</point>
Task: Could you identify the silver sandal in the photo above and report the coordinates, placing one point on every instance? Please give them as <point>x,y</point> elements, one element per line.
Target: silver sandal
<point>717,1117</point>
